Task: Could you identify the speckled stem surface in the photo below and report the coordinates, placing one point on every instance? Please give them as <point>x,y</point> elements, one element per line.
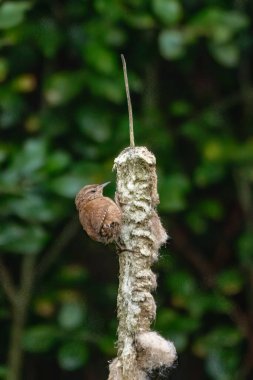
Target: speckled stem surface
<point>142,234</point>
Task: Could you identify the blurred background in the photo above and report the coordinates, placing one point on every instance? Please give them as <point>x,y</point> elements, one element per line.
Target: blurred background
<point>64,119</point>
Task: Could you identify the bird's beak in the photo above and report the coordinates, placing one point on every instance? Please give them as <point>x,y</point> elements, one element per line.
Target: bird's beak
<point>105,184</point>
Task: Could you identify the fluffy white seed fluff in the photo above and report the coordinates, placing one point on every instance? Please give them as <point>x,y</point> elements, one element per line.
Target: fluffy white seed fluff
<point>154,351</point>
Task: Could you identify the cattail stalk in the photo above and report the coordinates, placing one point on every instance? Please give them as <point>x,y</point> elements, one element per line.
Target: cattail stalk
<point>140,350</point>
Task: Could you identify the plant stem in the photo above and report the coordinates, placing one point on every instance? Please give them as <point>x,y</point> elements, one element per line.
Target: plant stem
<point>19,317</point>
<point>7,283</point>
<point>68,232</point>
<point>130,112</point>
<point>15,357</point>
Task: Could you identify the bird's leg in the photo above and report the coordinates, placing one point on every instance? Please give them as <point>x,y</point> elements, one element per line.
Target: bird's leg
<point>120,247</point>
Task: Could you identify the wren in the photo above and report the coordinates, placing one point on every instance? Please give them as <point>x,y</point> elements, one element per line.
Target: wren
<point>99,215</point>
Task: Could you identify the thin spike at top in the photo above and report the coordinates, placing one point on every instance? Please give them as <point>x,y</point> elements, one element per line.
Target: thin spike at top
<point>130,112</point>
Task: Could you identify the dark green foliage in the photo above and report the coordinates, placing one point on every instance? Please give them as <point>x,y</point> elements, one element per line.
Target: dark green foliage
<point>63,119</point>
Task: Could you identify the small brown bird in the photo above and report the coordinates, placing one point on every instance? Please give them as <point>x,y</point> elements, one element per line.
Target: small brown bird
<point>99,215</point>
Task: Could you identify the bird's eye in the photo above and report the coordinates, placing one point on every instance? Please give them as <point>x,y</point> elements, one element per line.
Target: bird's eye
<point>93,191</point>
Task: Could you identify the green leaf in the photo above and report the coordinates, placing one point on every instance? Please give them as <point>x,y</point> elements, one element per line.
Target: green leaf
<point>208,173</point>
<point>3,372</point>
<point>41,338</point>
<point>222,336</point>
<point>176,326</point>
<point>61,87</point>
<point>140,20</point>
<point>68,185</point>
<point>226,54</point>
<point>242,153</point>
<point>173,191</point>
<point>180,108</point>
<point>223,364</point>
<point>57,161</point>
<point>4,154</point>
<point>211,208</point>
<point>181,283</point>
<point>172,44</point>
<point>4,66</point>
<point>107,345</point>
<point>71,315</point>
<point>51,44</point>
<point>236,20</point>
<point>31,158</point>
<point>169,11</point>
<point>213,150</point>
<point>107,88</point>
<point>109,9</point>
<point>72,356</point>
<point>204,303</point>
<point>12,13</point>
<point>28,239</point>
<point>218,24</point>
<point>93,125</point>
<point>223,357</point>
<point>245,247</point>
<point>100,58</point>
<point>196,222</point>
<point>72,275</point>
<point>33,208</point>
<point>230,281</point>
